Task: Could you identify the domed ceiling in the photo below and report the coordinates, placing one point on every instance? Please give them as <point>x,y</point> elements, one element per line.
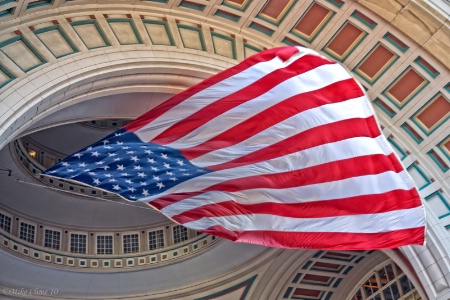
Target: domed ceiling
<point>68,66</point>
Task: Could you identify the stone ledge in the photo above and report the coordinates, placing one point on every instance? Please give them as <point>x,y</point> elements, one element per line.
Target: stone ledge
<point>419,21</point>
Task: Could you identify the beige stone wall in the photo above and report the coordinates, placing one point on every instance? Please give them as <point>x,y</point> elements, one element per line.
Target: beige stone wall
<point>419,21</point>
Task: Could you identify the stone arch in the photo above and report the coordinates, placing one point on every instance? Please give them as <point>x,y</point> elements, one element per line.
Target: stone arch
<point>66,84</point>
<point>89,74</point>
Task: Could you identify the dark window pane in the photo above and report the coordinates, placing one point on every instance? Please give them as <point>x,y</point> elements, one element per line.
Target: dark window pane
<point>405,284</point>
<point>395,291</point>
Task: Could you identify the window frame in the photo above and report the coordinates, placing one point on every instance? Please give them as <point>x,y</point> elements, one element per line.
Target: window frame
<point>54,230</point>
<point>26,222</point>
<point>10,222</point>
<point>164,238</point>
<point>101,234</point>
<point>71,233</point>
<point>182,230</point>
<point>122,241</point>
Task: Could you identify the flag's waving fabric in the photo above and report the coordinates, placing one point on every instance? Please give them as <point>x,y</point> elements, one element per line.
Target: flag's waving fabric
<point>281,150</point>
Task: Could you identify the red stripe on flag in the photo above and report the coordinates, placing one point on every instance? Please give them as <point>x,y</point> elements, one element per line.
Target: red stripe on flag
<point>284,53</point>
<point>218,107</point>
<point>325,240</point>
<point>334,93</point>
<point>332,171</point>
<point>365,204</point>
<point>313,137</point>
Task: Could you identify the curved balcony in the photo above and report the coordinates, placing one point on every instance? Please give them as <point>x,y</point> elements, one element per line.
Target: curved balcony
<point>120,245</point>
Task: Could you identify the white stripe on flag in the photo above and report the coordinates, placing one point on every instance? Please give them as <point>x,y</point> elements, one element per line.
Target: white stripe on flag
<point>364,223</point>
<point>326,114</point>
<point>339,189</point>
<point>209,95</point>
<point>302,83</point>
<point>350,148</point>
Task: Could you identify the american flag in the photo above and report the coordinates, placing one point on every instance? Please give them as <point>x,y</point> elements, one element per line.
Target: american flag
<point>281,150</point>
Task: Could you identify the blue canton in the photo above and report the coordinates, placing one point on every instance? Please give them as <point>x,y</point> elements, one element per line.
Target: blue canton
<point>123,164</point>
